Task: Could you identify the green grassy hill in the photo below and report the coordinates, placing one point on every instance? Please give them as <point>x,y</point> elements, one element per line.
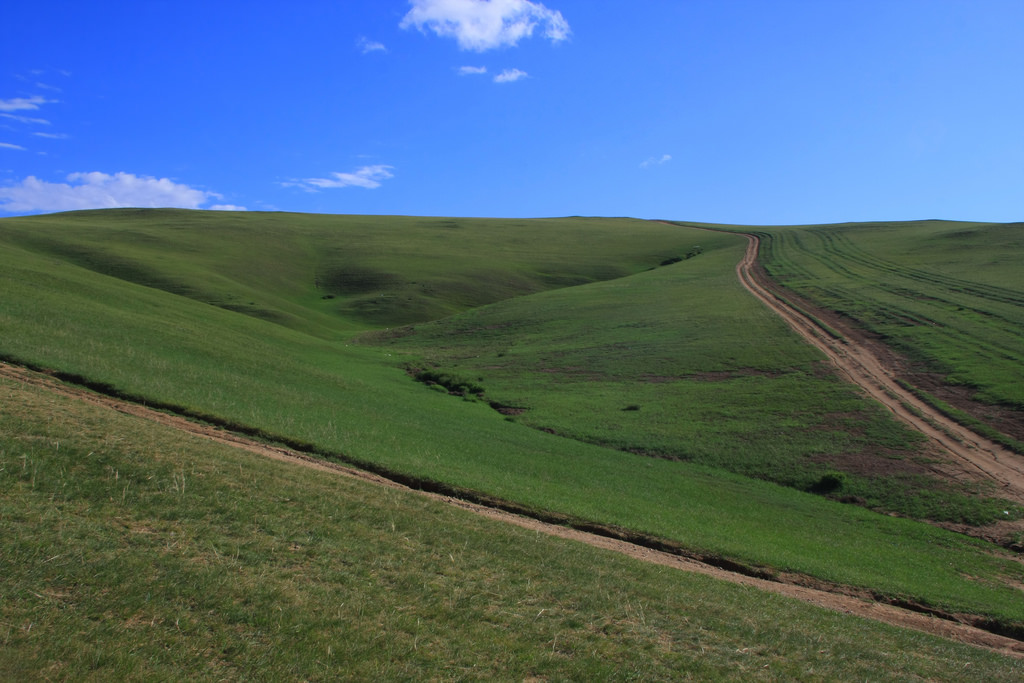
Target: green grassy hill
<point>627,380</point>
<point>131,551</point>
<point>329,275</point>
<point>948,295</point>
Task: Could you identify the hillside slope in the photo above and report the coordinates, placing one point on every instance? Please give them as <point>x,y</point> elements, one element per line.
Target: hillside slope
<point>127,309</point>
<point>331,275</point>
<point>133,551</point>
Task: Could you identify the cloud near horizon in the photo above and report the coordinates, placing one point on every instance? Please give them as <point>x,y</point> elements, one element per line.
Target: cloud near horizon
<point>98,190</point>
<point>482,25</point>
<point>368,177</point>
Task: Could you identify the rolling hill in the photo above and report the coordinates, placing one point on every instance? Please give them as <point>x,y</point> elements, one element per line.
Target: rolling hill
<point>602,373</point>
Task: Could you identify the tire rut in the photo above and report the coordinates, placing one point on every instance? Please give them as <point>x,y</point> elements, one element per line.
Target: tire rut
<point>986,459</point>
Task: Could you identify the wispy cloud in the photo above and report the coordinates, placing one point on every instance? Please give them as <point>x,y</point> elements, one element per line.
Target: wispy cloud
<point>23,103</point>
<point>8,145</point>
<point>368,177</point>
<point>227,207</point>
<point>100,191</point>
<point>510,76</point>
<point>366,46</point>
<point>25,119</point>
<point>656,161</point>
<point>472,70</point>
<point>51,136</point>
<point>481,25</point>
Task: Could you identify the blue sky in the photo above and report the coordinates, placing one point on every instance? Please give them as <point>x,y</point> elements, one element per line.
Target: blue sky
<point>733,111</point>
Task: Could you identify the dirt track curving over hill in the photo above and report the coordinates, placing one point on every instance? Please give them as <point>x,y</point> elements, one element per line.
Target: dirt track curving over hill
<point>978,458</point>
<point>806,589</point>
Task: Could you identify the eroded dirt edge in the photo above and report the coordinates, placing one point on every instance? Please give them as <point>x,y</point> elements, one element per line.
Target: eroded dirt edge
<point>967,629</point>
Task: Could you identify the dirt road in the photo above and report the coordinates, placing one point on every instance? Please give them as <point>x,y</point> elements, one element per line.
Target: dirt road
<point>835,598</point>
<point>979,457</point>
<point>985,459</point>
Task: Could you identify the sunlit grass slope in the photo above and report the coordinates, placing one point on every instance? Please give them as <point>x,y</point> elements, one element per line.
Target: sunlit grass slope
<point>134,552</point>
<point>681,363</point>
<point>948,294</point>
<point>329,275</point>
<point>307,382</point>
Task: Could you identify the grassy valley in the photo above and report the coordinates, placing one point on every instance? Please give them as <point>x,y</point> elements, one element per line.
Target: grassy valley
<point>599,372</point>
<point>679,363</point>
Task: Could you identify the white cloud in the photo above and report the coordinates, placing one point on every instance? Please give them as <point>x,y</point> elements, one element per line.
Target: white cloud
<point>23,103</point>
<point>52,136</point>
<point>472,70</point>
<point>100,191</point>
<point>25,119</point>
<point>657,161</point>
<point>227,207</point>
<point>369,177</point>
<point>481,25</point>
<point>20,104</point>
<point>510,76</point>
<point>367,46</point>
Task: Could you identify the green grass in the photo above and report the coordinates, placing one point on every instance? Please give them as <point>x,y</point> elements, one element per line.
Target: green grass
<point>332,275</point>
<point>681,363</point>
<point>949,295</point>
<point>134,552</point>
<point>307,381</point>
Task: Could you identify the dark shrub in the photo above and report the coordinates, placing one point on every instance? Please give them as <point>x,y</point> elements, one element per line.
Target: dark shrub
<point>830,482</point>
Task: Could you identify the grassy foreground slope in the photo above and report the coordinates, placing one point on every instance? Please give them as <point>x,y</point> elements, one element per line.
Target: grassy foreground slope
<point>135,552</point>
<point>303,381</point>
